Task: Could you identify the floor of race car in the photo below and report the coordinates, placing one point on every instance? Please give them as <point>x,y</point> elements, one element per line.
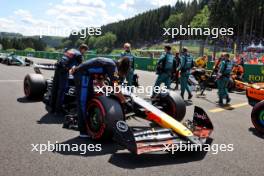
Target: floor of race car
<point>24,123</point>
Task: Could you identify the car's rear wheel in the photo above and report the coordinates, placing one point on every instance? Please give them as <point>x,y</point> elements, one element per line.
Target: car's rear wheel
<point>257,116</point>
<point>34,86</point>
<point>172,104</point>
<point>102,113</point>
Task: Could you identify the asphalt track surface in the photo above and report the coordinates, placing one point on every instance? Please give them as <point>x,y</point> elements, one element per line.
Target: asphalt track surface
<point>24,123</point>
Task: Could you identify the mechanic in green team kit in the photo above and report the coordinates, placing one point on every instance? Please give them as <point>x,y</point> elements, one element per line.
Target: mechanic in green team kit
<point>165,68</point>
<point>224,72</point>
<point>185,67</point>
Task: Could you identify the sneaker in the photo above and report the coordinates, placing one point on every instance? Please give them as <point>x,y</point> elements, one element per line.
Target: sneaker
<point>190,96</point>
<point>82,135</point>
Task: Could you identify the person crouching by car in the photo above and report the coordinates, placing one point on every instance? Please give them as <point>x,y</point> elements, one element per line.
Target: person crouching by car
<point>71,58</point>
<point>238,72</point>
<point>84,82</point>
<point>201,62</point>
<point>164,69</point>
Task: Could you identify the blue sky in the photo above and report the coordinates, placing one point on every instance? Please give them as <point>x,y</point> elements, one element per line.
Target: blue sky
<point>59,17</point>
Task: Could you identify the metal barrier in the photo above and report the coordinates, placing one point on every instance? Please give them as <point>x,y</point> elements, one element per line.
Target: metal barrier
<point>254,73</point>
<point>141,63</point>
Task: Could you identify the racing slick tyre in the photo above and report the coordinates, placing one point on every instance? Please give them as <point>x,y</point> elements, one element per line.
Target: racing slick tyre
<point>34,86</point>
<point>102,114</point>
<point>172,104</point>
<point>257,117</point>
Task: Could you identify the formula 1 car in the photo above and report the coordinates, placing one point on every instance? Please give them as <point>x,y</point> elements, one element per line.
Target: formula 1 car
<point>255,92</point>
<point>107,116</point>
<point>12,59</point>
<point>208,79</point>
<point>2,56</point>
<point>255,95</point>
<point>200,78</point>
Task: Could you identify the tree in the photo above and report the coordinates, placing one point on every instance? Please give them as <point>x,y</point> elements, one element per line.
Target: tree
<point>91,42</point>
<point>29,49</point>
<point>49,49</point>
<point>174,21</point>
<point>105,43</point>
<point>201,20</point>
<point>222,14</point>
<point>66,44</point>
<point>78,43</point>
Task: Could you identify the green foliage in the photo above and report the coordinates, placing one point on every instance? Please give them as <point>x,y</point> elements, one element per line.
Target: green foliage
<point>22,43</point>
<point>49,49</point>
<point>78,43</point>
<point>105,44</point>
<point>174,21</point>
<point>51,41</point>
<point>91,42</point>
<point>29,49</point>
<point>201,20</point>
<point>246,17</point>
<point>145,27</point>
<point>11,50</point>
<point>221,13</point>
<point>66,44</point>
<point>189,12</point>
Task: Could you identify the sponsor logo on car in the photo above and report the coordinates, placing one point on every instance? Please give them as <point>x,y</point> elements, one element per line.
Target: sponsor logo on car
<point>122,126</point>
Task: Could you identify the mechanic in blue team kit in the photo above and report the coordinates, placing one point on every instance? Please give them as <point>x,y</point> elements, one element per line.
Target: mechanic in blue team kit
<point>223,77</point>
<point>71,57</point>
<point>185,67</point>
<point>127,53</point>
<point>164,68</point>
<point>84,82</point>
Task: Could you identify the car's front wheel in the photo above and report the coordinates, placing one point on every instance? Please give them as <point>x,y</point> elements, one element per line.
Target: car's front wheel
<point>102,114</point>
<point>257,116</point>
